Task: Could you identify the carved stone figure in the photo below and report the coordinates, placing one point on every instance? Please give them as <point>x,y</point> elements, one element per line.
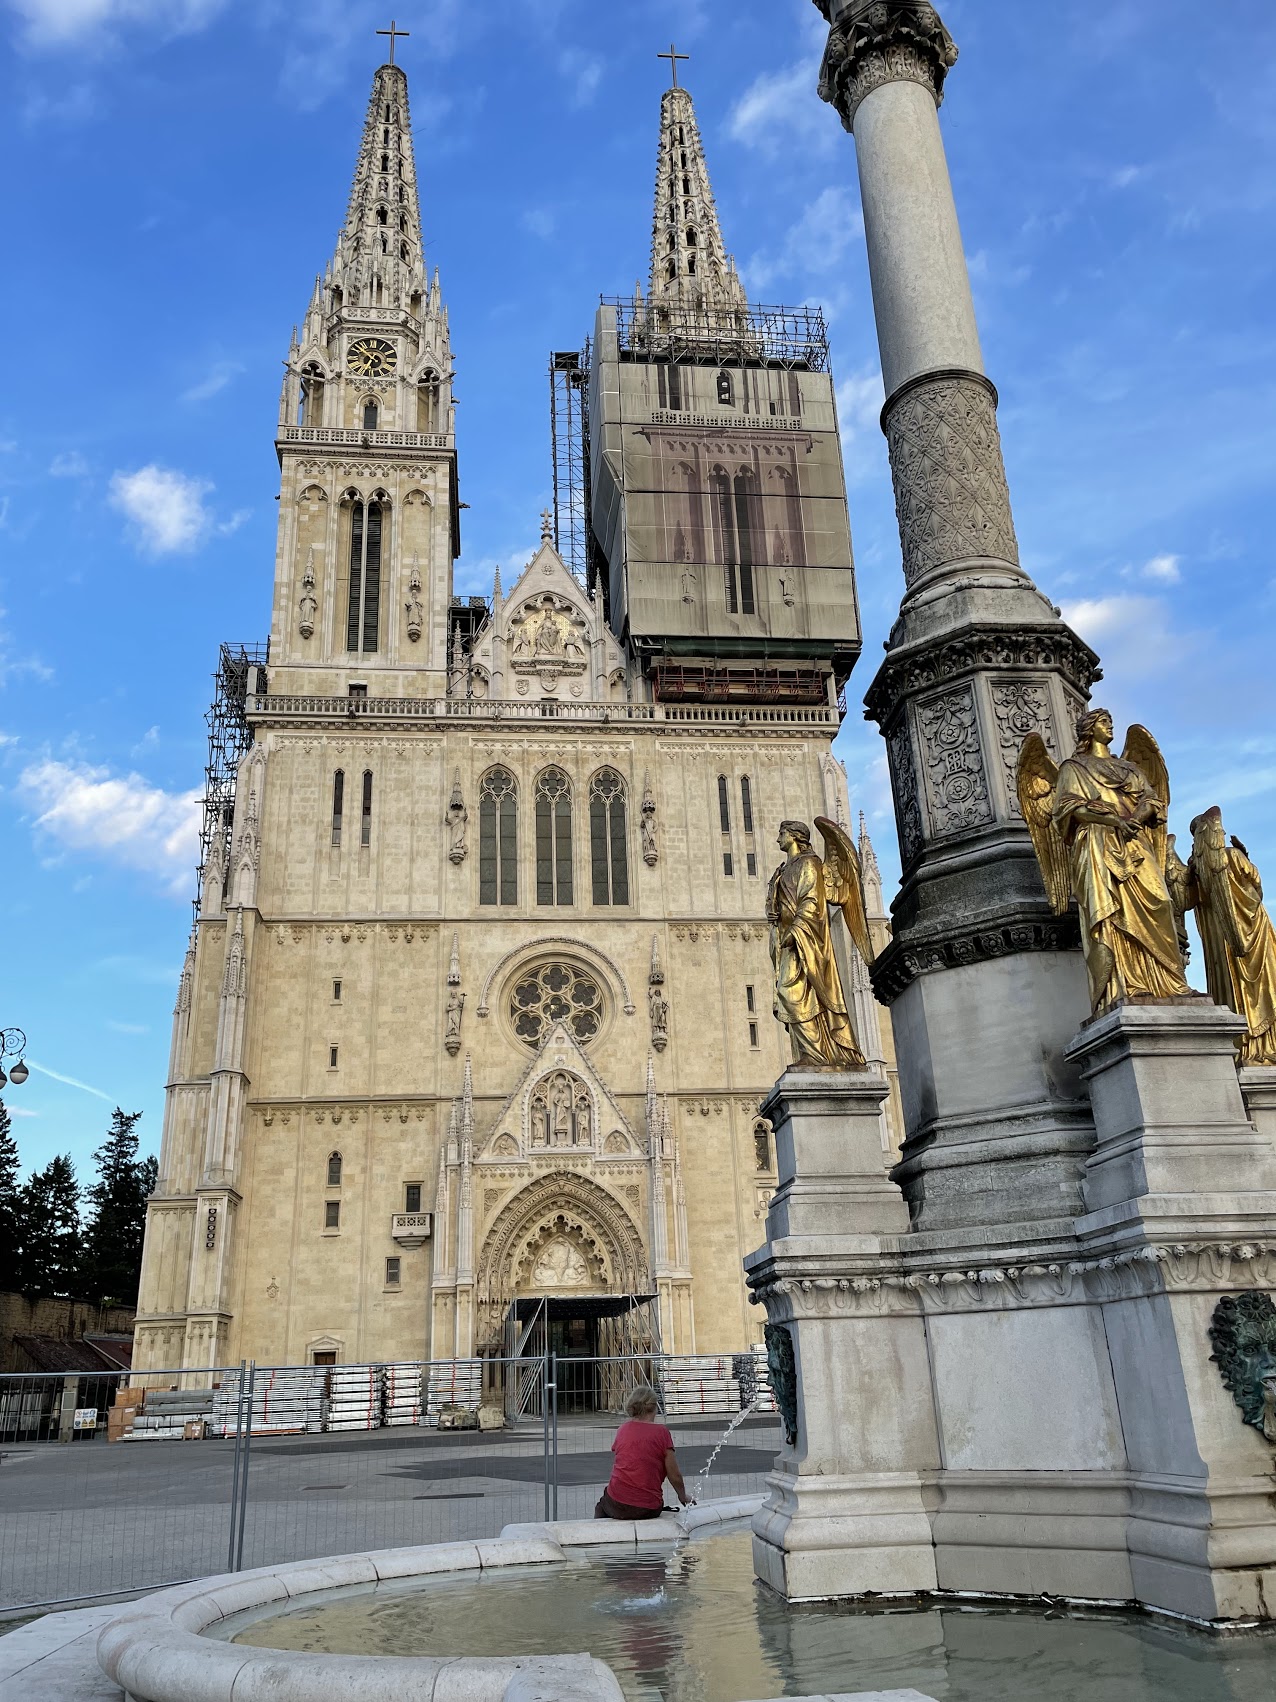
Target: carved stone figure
<point>783,1372</point>
<point>647,826</point>
<point>452,1021</point>
<point>560,1265</point>
<point>457,816</point>
<point>1243,1335</point>
<point>309,605</point>
<point>1240,944</point>
<point>1098,827</point>
<point>415,612</point>
<point>809,999</point>
<point>658,1009</point>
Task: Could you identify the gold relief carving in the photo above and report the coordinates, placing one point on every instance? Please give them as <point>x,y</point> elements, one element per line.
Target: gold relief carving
<point>1098,828</point>
<point>951,497</point>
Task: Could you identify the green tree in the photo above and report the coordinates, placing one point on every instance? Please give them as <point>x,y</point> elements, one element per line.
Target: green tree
<point>50,1237</point>
<point>10,1207</point>
<point>117,1213</point>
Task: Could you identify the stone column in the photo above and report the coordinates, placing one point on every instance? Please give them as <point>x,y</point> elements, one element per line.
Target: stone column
<point>986,985</point>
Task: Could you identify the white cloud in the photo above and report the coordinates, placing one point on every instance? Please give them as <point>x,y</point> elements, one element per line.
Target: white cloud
<point>1165,569</point>
<point>780,108</point>
<point>584,72</point>
<point>69,465</point>
<point>166,507</point>
<point>56,1075</point>
<point>52,22</point>
<point>540,221</point>
<point>812,247</point>
<point>217,378</point>
<point>19,1110</point>
<point>1132,634</point>
<point>123,818</point>
<point>11,667</point>
<point>127,1027</point>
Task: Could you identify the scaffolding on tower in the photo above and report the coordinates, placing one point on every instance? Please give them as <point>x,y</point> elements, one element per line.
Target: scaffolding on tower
<point>240,673</point>
<point>569,446</point>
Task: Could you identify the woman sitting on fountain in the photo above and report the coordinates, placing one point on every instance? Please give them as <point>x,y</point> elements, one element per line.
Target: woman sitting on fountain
<point>644,1459</point>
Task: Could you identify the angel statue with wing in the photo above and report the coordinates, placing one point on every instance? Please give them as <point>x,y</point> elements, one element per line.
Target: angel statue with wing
<point>1098,828</point>
<point>808,989</point>
<point>1226,891</point>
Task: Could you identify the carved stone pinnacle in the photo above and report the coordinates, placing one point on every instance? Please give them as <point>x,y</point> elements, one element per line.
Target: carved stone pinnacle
<point>872,42</point>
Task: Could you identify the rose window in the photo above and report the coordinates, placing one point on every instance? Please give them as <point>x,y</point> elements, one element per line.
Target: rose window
<point>556,992</point>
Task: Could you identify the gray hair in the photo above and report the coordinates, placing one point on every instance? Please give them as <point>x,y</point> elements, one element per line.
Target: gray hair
<point>644,1399</point>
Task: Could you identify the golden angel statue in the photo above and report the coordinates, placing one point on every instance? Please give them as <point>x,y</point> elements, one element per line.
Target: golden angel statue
<point>1098,828</point>
<point>1240,944</point>
<point>808,989</point>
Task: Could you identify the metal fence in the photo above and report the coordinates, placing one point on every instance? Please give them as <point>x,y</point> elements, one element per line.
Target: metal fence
<point>115,1483</point>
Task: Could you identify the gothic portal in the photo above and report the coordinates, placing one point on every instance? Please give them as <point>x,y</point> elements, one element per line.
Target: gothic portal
<point>476,1012</point>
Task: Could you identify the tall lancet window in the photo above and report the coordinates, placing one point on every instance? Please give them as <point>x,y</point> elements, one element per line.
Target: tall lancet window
<point>498,838</point>
<point>368,529</point>
<point>553,837</point>
<point>608,842</point>
<point>749,539</point>
<point>310,402</point>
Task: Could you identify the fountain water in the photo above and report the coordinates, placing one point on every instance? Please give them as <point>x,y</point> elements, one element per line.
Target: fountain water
<point>734,1425</point>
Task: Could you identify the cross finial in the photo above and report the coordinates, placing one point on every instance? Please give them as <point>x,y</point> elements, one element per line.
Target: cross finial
<point>673,56</point>
<point>394,31</point>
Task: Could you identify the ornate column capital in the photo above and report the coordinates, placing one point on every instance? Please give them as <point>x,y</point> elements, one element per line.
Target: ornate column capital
<point>872,42</point>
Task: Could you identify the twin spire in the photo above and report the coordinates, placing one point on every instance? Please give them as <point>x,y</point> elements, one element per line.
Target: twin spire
<point>379,259</point>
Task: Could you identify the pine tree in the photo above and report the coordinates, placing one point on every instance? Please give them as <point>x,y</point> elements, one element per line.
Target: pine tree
<point>50,1236</point>
<point>10,1207</point>
<point>117,1220</point>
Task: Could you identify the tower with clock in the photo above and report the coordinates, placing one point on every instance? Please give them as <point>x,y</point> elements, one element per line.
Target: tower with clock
<point>475,1020</point>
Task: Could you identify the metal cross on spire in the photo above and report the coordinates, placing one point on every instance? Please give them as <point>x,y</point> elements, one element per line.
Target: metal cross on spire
<point>673,56</point>
<point>394,32</point>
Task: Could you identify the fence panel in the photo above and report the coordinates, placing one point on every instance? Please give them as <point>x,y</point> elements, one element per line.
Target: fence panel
<point>91,1502</point>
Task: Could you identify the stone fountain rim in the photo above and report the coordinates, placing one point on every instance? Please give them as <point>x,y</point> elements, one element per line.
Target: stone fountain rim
<point>157,1650</point>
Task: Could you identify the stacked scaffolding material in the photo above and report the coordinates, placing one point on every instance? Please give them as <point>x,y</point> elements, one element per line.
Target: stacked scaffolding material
<point>286,1401</point>
<point>453,1383</point>
<point>171,1415</point>
<point>754,1377</point>
<point>694,1383</point>
<point>403,1394</point>
<point>354,1397</point>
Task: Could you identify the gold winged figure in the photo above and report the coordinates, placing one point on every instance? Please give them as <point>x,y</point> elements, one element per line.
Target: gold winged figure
<point>1098,828</point>
<point>1226,891</point>
<point>809,999</point>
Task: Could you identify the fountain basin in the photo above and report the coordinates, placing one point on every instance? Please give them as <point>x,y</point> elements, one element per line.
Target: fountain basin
<point>160,1651</point>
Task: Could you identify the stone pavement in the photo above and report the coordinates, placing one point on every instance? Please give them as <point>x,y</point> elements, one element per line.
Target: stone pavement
<point>54,1660</point>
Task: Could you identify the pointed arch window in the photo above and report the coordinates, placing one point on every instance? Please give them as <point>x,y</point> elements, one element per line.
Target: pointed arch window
<point>553,837</point>
<point>334,1169</point>
<point>608,838</point>
<point>371,414</point>
<point>498,838</point>
<point>726,389</point>
<point>427,402</point>
<point>748,535</point>
<point>368,532</point>
<point>746,803</point>
<point>724,805</point>
<point>310,401</point>
<point>365,810</point>
<point>338,801</point>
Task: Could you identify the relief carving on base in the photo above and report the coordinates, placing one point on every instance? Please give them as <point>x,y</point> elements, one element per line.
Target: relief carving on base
<point>956,785</point>
<point>1021,707</point>
<point>908,814</point>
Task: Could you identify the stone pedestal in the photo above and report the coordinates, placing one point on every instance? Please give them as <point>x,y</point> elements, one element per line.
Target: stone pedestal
<point>1182,1195</point>
<point>845,1513</point>
<point>1258,1090</point>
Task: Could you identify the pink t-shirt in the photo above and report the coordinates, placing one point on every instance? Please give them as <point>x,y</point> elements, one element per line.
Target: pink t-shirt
<point>638,1476</point>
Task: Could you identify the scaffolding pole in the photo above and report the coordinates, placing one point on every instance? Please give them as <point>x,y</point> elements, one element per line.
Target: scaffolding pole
<point>569,448</point>
<point>229,737</point>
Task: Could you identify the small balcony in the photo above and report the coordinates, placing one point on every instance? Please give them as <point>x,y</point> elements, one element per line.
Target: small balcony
<point>411,1228</point>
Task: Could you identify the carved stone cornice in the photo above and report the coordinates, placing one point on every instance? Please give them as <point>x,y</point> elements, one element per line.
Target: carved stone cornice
<point>873,42</point>
<point>901,961</point>
<point>894,1289</point>
<point>978,649</point>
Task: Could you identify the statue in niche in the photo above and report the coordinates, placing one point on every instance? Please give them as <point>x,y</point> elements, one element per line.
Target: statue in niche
<point>560,1106</point>
<point>809,999</point>
<point>658,1010</point>
<point>452,1021</point>
<point>309,605</point>
<point>647,826</point>
<point>583,1135</point>
<point>561,1113</point>
<point>1098,827</point>
<point>540,1122</point>
<point>457,817</point>
<point>1226,891</point>
<point>413,606</point>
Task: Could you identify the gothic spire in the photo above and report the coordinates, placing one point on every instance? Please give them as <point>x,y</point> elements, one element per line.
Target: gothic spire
<point>871,874</point>
<point>379,258</point>
<point>690,268</point>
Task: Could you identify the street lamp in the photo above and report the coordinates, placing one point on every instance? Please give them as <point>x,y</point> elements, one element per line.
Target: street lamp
<point>13,1043</point>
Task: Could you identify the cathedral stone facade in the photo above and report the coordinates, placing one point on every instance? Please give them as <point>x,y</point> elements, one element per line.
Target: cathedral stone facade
<point>476,1013</point>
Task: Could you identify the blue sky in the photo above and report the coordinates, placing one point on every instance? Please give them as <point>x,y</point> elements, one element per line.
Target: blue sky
<point>178,170</point>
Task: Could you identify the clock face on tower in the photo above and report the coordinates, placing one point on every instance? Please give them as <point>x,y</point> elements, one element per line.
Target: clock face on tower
<point>372,357</point>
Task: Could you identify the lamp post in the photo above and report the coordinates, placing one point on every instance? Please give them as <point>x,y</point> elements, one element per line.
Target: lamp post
<point>13,1043</point>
